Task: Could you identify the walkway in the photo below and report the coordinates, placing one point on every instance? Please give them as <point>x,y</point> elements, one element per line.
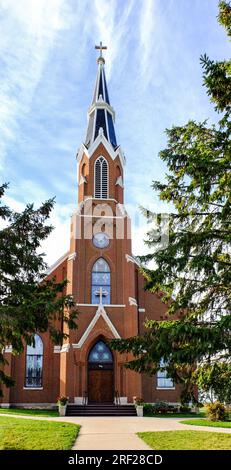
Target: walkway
<point>119,433</point>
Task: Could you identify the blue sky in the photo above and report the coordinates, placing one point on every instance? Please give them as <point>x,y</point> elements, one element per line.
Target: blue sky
<point>48,70</point>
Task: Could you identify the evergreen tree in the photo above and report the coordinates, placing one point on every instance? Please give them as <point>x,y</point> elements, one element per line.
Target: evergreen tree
<point>29,303</point>
<point>193,272</point>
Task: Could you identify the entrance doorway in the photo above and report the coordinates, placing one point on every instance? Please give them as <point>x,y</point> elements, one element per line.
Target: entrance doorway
<point>100,374</point>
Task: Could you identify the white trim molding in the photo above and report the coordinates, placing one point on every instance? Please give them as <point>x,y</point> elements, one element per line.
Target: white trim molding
<point>101,139</point>
<point>132,301</point>
<point>123,210</point>
<point>119,181</point>
<point>101,104</point>
<point>57,349</point>
<point>101,312</point>
<point>82,180</point>
<point>72,256</point>
<point>131,259</point>
<point>65,348</point>
<point>96,305</point>
<point>57,263</point>
<point>32,388</point>
<point>165,388</point>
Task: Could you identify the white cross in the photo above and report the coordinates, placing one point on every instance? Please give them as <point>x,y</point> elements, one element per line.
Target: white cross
<point>100,296</point>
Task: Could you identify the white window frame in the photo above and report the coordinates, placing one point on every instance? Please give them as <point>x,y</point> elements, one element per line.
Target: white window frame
<point>101,177</point>
<point>34,351</point>
<point>162,375</point>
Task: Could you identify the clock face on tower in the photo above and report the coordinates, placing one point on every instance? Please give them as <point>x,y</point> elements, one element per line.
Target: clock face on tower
<point>100,240</point>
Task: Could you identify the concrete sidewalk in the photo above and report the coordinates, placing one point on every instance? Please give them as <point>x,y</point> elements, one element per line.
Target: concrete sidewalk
<point>109,434</point>
<point>119,433</point>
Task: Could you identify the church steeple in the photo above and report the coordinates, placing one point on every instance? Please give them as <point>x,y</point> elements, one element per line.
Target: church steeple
<point>101,115</point>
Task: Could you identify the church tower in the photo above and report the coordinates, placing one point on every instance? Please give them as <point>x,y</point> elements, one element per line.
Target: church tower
<point>106,284</point>
<point>100,268</point>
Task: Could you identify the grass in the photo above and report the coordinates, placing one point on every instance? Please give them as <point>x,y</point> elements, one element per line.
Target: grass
<point>21,411</point>
<point>27,434</point>
<point>186,440</point>
<point>204,422</point>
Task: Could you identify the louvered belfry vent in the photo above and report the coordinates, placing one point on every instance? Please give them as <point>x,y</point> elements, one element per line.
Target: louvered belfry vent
<point>101,178</point>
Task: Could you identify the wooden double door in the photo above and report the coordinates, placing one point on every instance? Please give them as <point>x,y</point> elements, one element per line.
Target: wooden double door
<point>101,385</point>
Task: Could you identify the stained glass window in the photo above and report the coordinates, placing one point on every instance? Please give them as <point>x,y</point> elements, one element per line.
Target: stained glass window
<point>100,353</point>
<point>101,279</point>
<point>34,363</point>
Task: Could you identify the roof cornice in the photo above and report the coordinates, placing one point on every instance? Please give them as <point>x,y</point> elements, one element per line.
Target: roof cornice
<point>51,268</point>
<point>100,104</point>
<point>101,139</point>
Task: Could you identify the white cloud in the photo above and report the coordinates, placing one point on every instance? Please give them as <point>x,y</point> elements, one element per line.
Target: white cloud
<point>112,27</point>
<point>58,241</point>
<point>148,19</point>
<point>28,32</point>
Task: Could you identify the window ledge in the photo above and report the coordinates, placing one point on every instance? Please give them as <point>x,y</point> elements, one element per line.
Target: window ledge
<point>32,388</point>
<point>104,305</point>
<point>165,388</point>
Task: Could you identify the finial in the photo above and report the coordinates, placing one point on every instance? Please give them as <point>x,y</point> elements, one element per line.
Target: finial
<point>100,59</point>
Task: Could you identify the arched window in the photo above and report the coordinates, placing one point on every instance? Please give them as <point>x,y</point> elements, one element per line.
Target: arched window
<point>101,178</point>
<point>100,282</point>
<point>100,353</point>
<point>34,363</point>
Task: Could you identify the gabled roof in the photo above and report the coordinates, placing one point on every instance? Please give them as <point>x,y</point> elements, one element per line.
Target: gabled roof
<point>101,139</point>
<point>101,312</point>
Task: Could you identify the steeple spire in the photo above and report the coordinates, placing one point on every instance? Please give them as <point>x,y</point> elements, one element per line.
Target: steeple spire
<point>101,115</point>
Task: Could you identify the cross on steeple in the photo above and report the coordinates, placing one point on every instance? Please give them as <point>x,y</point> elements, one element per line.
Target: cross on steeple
<point>100,48</point>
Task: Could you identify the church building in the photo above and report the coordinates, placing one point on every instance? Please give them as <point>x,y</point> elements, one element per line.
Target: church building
<point>105,282</point>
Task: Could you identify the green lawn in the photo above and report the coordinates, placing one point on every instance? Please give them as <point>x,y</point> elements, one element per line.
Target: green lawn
<point>21,411</point>
<point>186,440</point>
<point>204,422</point>
<point>28,434</point>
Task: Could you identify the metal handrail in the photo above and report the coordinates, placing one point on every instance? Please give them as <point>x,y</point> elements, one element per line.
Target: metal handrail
<point>117,398</point>
<point>85,398</point>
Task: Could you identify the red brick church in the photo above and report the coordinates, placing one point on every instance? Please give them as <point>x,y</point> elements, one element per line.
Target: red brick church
<point>105,281</point>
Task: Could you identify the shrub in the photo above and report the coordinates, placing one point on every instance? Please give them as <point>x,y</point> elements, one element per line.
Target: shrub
<point>185,409</point>
<point>216,411</point>
<point>149,408</point>
<point>161,407</point>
